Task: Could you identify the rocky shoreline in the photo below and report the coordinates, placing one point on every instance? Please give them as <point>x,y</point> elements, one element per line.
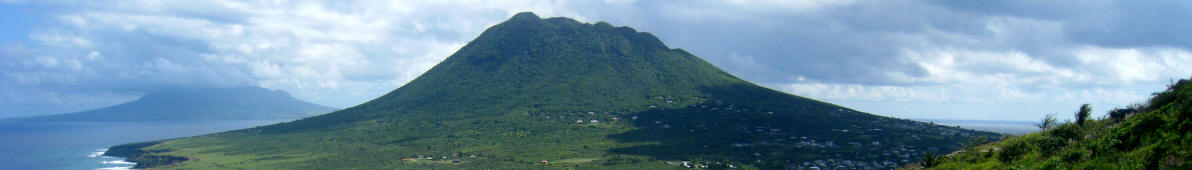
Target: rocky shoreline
<point>135,153</point>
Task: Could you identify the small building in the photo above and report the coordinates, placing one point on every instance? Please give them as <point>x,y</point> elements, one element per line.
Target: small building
<point>594,121</point>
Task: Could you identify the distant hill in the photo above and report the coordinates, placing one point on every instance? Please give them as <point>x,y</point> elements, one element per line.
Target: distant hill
<point>556,93</point>
<point>1154,135</point>
<point>199,104</point>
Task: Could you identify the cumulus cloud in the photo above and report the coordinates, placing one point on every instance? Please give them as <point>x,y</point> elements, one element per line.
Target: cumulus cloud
<point>1023,59</point>
<point>1009,59</point>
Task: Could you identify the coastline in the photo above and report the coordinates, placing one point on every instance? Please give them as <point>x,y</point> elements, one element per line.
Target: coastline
<point>135,153</point>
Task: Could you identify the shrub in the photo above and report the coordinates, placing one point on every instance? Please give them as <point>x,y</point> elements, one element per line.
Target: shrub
<point>1073,155</point>
<point>1048,145</point>
<point>1067,132</point>
<point>930,160</point>
<point>1047,122</point>
<point>1119,114</point>
<point>1083,114</point>
<point>976,141</point>
<point>1012,151</point>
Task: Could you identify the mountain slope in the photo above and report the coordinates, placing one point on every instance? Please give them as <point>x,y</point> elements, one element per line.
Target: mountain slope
<point>199,104</point>
<point>556,93</point>
<point>1155,135</point>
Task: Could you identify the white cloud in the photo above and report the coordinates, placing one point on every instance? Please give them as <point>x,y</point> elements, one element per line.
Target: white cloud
<point>344,53</point>
<point>826,91</point>
<point>790,4</point>
<point>1134,65</point>
<point>320,51</point>
<point>93,55</point>
<point>1002,68</point>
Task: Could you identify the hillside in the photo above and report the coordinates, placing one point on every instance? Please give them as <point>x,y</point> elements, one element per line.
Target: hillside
<point>1153,135</point>
<point>199,104</point>
<point>556,93</point>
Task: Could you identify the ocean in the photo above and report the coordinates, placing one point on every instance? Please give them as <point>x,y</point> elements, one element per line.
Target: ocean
<point>997,126</point>
<point>78,145</point>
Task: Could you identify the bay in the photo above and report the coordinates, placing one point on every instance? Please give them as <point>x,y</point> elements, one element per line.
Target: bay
<point>78,145</point>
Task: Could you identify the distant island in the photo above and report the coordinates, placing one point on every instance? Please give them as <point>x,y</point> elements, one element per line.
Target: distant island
<point>198,103</point>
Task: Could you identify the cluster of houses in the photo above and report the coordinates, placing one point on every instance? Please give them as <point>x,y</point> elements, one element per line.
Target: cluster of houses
<point>888,155</point>
<point>702,165</point>
<point>816,164</point>
<point>843,164</point>
<point>453,158</point>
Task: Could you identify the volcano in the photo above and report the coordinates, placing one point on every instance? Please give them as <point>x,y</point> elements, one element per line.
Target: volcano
<point>556,93</point>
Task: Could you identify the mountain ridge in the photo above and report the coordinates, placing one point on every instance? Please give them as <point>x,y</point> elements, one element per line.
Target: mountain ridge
<point>198,103</point>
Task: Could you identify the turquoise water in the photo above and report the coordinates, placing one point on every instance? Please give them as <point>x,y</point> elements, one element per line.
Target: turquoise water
<point>78,145</point>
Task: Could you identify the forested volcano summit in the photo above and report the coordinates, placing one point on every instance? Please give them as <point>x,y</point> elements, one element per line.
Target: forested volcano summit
<point>557,93</point>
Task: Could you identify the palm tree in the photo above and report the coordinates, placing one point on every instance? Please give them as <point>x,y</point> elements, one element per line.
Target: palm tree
<point>1048,122</point>
<point>1083,114</point>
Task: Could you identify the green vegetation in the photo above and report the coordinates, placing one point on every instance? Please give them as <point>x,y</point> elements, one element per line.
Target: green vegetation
<point>554,93</point>
<point>1048,122</point>
<point>1154,135</point>
<point>1083,114</point>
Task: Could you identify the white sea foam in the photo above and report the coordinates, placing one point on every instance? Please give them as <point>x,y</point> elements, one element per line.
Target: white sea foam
<point>115,168</point>
<point>97,153</point>
<point>118,162</point>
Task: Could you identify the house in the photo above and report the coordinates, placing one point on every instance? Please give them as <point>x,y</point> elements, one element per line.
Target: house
<point>545,162</point>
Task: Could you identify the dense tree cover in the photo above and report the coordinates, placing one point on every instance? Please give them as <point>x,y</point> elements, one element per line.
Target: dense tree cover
<point>556,93</point>
<point>1153,135</point>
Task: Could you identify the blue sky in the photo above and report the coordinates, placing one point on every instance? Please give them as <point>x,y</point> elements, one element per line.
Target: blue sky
<point>987,60</point>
